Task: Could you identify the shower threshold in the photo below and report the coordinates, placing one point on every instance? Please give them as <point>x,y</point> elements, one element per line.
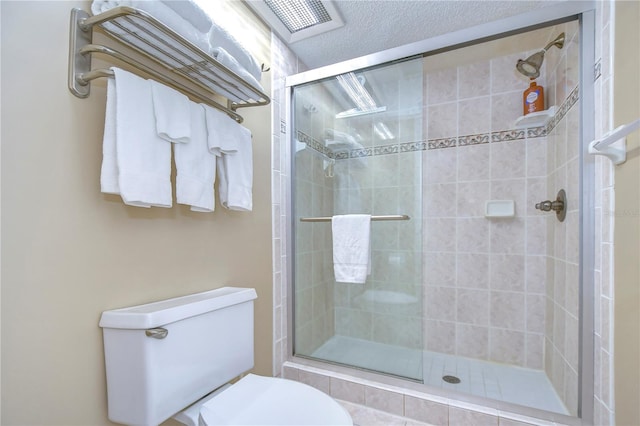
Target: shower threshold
<point>517,385</point>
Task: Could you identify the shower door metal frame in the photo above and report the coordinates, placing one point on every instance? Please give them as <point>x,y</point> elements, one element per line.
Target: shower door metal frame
<point>585,12</point>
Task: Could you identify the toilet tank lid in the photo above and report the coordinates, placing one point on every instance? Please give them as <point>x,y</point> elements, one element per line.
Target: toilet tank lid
<point>171,310</point>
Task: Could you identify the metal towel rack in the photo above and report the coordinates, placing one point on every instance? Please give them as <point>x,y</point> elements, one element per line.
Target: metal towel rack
<point>375,218</point>
<point>178,58</point>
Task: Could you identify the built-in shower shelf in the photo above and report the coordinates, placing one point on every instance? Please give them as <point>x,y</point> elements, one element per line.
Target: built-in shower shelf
<point>535,119</point>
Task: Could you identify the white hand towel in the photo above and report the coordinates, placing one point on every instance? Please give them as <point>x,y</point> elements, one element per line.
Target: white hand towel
<point>191,12</point>
<point>172,113</point>
<point>109,171</point>
<point>225,58</point>
<point>351,247</point>
<point>235,173</point>
<point>141,172</point>
<point>222,135</point>
<point>162,13</point>
<point>195,166</point>
<point>219,37</point>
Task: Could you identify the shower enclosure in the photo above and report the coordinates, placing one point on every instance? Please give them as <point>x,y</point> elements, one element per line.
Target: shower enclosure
<point>472,289</point>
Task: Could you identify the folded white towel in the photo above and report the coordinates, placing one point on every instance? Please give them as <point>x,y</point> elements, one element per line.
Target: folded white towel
<point>171,109</point>
<point>195,166</point>
<point>351,247</point>
<point>136,161</point>
<point>235,173</point>
<point>225,58</point>
<point>164,14</point>
<point>109,170</point>
<point>219,37</point>
<point>191,12</point>
<point>222,133</point>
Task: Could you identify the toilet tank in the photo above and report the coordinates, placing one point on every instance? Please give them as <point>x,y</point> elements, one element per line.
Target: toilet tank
<point>208,342</point>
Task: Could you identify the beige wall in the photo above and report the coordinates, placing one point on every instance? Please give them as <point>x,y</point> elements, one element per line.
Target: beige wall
<point>70,252</point>
<point>627,219</point>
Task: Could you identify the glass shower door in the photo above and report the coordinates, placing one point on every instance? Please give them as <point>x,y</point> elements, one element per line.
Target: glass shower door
<point>355,152</point>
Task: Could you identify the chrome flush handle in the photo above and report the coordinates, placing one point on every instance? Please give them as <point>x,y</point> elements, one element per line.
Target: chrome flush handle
<point>157,333</point>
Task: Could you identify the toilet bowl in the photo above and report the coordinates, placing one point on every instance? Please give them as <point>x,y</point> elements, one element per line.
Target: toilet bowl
<point>184,352</point>
<point>258,400</point>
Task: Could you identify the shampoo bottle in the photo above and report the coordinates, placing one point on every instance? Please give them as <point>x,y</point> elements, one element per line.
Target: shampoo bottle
<point>533,98</point>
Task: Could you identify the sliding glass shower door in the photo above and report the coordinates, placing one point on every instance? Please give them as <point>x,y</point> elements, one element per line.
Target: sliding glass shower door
<point>355,152</point>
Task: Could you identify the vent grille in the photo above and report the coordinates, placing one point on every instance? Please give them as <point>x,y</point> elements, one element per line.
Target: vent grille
<point>298,15</point>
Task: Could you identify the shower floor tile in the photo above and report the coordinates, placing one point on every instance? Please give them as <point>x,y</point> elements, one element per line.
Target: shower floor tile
<point>503,382</point>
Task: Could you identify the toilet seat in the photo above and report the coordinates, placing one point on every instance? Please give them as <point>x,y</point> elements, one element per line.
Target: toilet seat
<point>257,400</point>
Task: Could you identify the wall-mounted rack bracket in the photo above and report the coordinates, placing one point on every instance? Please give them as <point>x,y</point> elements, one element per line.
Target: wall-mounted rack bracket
<point>78,63</point>
<point>617,155</point>
<point>176,61</point>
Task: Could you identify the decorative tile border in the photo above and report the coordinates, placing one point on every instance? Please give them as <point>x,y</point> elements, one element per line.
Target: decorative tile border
<point>474,139</point>
<point>564,109</point>
<point>466,140</point>
<point>316,145</point>
<point>509,135</point>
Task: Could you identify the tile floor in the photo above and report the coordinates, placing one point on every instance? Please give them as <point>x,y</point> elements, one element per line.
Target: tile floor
<point>503,382</point>
<point>365,416</point>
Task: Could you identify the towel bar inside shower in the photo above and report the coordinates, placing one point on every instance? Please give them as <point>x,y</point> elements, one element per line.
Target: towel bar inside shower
<point>180,64</point>
<point>375,218</point>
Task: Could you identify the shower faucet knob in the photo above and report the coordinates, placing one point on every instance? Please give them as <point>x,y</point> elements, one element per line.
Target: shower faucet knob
<point>559,205</point>
<point>547,206</point>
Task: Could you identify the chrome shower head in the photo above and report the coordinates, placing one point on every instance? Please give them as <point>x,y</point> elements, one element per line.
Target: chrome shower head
<point>530,67</point>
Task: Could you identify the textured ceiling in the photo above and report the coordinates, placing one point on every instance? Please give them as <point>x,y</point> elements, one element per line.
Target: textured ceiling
<point>375,25</point>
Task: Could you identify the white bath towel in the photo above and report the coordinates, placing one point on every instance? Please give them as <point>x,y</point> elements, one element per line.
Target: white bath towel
<point>191,12</point>
<point>136,161</point>
<point>195,166</point>
<point>225,58</point>
<point>162,13</point>
<point>172,113</point>
<point>219,37</point>
<point>109,170</point>
<point>222,132</point>
<point>351,247</point>
<point>235,173</point>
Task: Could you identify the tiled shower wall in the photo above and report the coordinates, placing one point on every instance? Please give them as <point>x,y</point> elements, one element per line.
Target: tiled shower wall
<point>603,400</point>
<point>493,306</point>
<point>283,63</point>
<point>484,277</point>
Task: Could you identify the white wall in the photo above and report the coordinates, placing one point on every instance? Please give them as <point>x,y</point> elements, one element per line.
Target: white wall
<point>70,252</point>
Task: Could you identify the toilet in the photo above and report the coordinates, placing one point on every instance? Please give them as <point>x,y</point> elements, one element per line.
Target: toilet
<point>179,358</point>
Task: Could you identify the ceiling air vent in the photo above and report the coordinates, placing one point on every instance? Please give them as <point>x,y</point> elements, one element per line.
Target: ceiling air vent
<point>294,20</point>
